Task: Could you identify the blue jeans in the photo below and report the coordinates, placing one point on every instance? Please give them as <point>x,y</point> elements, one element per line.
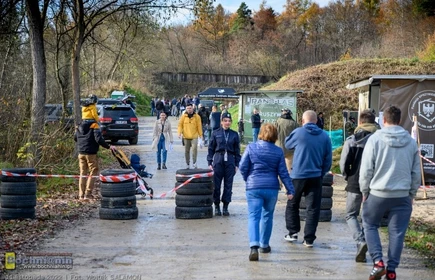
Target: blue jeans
<point>399,210</point>
<point>353,207</point>
<point>161,150</point>
<point>261,205</point>
<point>255,132</point>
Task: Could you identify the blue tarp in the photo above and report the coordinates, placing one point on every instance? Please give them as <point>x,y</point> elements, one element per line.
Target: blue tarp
<point>336,138</point>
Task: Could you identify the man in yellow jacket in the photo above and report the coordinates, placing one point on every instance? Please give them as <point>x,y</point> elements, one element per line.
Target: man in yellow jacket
<point>190,128</point>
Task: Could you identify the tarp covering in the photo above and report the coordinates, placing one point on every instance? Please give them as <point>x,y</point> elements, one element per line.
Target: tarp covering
<point>336,138</point>
<point>218,93</point>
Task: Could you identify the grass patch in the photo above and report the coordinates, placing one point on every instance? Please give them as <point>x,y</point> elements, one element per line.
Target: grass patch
<point>421,237</point>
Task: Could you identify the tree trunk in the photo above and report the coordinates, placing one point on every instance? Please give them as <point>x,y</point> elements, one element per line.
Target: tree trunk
<point>75,63</point>
<point>36,30</point>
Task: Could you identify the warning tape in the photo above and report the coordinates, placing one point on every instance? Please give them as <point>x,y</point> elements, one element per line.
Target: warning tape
<point>191,177</point>
<point>107,178</point>
<point>431,162</point>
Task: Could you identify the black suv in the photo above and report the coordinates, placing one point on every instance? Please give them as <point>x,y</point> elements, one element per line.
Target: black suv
<point>119,122</point>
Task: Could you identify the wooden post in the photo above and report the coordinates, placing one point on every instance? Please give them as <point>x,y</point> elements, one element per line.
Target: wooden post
<point>417,134</point>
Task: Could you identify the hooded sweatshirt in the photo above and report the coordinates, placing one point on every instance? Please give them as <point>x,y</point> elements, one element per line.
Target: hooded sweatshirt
<point>351,155</point>
<point>390,165</point>
<point>313,151</point>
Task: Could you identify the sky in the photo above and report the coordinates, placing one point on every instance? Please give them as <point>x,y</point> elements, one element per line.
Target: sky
<point>254,5</point>
<point>183,17</point>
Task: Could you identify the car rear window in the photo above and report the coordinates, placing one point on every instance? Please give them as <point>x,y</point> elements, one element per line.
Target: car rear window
<point>115,112</point>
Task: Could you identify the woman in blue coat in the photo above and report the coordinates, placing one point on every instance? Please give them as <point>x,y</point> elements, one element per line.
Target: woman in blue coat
<point>260,166</point>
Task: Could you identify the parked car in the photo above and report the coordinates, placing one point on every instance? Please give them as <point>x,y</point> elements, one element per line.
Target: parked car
<point>119,123</point>
<point>53,115</point>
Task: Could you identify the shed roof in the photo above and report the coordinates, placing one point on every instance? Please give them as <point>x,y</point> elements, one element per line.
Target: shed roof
<point>377,78</point>
<point>276,91</point>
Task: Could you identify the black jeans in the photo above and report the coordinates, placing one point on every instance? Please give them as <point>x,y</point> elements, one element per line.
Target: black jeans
<point>311,188</point>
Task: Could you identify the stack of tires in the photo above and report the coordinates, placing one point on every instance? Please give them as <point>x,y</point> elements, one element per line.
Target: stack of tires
<point>118,200</point>
<point>195,199</point>
<point>18,195</point>
<point>326,204</point>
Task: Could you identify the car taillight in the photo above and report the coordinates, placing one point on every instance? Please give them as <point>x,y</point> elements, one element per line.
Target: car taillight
<point>105,120</point>
<point>134,120</point>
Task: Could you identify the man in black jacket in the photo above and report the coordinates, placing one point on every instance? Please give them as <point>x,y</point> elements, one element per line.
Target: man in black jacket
<point>204,114</point>
<point>350,162</point>
<point>88,142</point>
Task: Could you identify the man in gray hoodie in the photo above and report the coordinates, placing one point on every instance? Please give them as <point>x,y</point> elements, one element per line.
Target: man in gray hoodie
<point>389,179</point>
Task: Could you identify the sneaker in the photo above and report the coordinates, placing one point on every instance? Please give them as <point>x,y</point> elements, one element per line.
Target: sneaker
<point>291,238</point>
<point>194,166</point>
<point>164,166</point>
<point>308,244</point>
<point>378,271</point>
<point>188,166</point>
<point>253,256</point>
<point>361,250</point>
<point>391,275</point>
<point>266,250</point>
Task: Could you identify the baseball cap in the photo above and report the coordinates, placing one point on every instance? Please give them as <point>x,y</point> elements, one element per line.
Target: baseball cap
<point>226,115</point>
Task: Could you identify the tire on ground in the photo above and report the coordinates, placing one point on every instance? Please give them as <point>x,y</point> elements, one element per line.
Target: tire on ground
<point>118,172</point>
<point>118,189</point>
<point>194,212</point>
<point>17,213</point>
<point>325,215</point>
<point>325,204</point>
<point>195,188</point>
<point>17,188</point>
<point>193,200</point>
<point>192,172</point>
<point>18,201</point>
<point>5,178</point>
<point>327,191</point>
<point>328,179</point>
<point>118,213</point>
<point>118,202</point>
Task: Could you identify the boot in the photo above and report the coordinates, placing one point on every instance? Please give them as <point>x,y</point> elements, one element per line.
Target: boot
<point>164,166</point>
<point>158,166</point>
<point>225,210</point>
<point>217,210</point>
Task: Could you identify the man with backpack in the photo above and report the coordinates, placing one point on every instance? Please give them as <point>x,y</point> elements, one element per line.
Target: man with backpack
<point>350,162</point>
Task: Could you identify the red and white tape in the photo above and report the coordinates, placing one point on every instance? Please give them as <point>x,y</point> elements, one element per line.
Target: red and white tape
<point>191,177</point>
<point>108,178</point>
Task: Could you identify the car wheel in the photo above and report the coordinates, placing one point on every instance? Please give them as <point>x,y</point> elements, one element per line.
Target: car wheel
<point>325,215</point>
<point>118,202</point>
<point>194,212</point>
<point>21,171</point>
<point>325,204</point>
<point>18,201</point>
<point>17,213</point>
<point>118,213</point>
<point>114,140</point>
<point>193,200</point>
<point>328,179</point>
<point>195,188</point>
<point>118,189</point>
<point>327,191</point>
<point>18,188</point>
<point>118,172</point>
<point>192,172</point>
<point>133,141</point>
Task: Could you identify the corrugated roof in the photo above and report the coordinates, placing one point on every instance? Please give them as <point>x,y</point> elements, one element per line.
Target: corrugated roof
<point>371,79</point>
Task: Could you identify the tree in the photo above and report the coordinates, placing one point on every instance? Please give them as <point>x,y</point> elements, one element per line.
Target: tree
<point>36,19</point>
<point>243,19</point>
<point>265,19</point>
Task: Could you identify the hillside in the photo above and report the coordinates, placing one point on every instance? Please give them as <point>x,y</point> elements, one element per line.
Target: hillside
<point>324,85</point>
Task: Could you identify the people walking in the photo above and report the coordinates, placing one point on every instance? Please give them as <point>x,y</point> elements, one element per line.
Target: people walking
<point>350,162</point>
<point>215,120</point>
<point>260,166</point>
<point>285,125</point>
<point>190,128</point>
<point>256,122</point>
<point>389,179</point>
<point>223,158</point>
<point>162,138</point>
<point>160,106</point>
<point>88,140</point>
<point>312,160</point>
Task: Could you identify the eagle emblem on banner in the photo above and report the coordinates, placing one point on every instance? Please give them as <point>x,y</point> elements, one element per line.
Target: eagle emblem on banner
<point>426,109</point>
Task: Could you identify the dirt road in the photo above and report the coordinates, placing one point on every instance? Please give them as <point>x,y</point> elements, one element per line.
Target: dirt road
<point>158,246</point>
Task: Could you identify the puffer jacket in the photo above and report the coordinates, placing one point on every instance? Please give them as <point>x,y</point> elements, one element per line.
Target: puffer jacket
<point>261,164</point>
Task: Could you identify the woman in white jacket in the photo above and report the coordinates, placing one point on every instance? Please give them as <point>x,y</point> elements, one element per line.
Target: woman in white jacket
<point>162,137</point>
